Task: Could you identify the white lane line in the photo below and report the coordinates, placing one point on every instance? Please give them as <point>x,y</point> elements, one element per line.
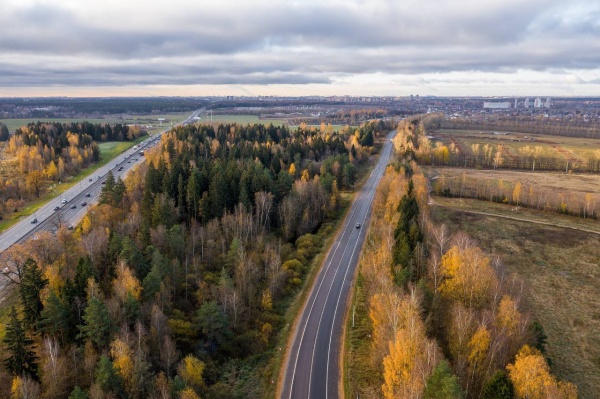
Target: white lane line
<point>333,279</point>
<point>371,195</point>
<point>316,294</point>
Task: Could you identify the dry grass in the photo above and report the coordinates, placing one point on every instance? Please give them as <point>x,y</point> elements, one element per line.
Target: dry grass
<point>557,146</point>
<point>560,267</point>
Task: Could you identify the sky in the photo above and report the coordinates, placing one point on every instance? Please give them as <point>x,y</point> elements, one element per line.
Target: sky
<point>299,47</point>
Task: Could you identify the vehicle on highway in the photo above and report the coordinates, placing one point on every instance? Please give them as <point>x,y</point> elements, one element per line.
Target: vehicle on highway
<point>358,225</point>
<point>73,206</point>
<point>83,203</point>
<point>70,227</point>
<point>120,169</point>
<point>89,179</point>
<point>64,201</point>
<point>104,182</point>
<point>88,195</point>
<point>128,161</point>
<point>34,221</point>
<point>56,208</point>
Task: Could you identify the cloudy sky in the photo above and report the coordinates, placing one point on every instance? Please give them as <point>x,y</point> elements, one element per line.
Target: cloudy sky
<point>299,47</point>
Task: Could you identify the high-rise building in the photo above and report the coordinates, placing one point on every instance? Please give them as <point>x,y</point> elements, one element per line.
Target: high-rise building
<point>526,103</point>
<point>516,103</point>
<point>537,103</point>
<point>548,103</point>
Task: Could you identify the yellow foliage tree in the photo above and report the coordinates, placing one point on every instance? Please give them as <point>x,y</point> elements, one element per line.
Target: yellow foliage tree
<point>122,358</point>
<point>188,393</point>
<point>190,370</point>
<point>468,276</point>
<point>292,170</point>
<point>531,378</point>
<point>517,194</point>
<point>52,171</point>
<point>126,283</point>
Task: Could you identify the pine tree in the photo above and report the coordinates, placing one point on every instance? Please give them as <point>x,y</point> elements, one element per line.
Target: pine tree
<point>22,358</point>
<point>54,319</point>
<point>32,283</point>
<point>498,387</point>
<point>442,384</point>
<point>78,394</point>
<point>97,325</point>
<point>107,377</point>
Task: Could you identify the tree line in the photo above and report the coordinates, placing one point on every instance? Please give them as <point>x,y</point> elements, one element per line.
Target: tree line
<point>446,320</point>
<point>176,284</point>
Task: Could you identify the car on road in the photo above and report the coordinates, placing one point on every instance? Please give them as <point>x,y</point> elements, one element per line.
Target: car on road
<point>64,201</point>
<point>128,161</point>
<point>83,203</point>
<point>89,179</point>
<point>34,221</point>
<point>70,227</point>
<point>56,208</point>
<point>120,169</point>
<point>358,225</point>
<point>73,206</point>
<point>104,182</point>
<point>88,195</point>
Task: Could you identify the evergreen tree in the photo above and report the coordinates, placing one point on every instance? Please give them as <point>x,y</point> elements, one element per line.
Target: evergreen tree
<point>97,325</point>
<point>22,358</point>
<point>4,134</point>
<point>498,387</point>
<point>442,384</point>
<point>78,394</point>
<point>107,377</point>
<point>32,283</point>
<point>107,194</point>
<point>54,319</point>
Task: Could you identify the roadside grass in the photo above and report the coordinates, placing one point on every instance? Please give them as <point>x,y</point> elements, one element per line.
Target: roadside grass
<point>562,278</point>
<point>108,151</point>
<point>357,366</point>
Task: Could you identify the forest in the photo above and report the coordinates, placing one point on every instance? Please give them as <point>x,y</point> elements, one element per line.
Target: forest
<point>438,317</point>
<point>177,283</point>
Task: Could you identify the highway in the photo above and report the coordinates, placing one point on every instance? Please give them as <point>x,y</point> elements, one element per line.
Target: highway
<point>312,363</point>
<point>72,211</point>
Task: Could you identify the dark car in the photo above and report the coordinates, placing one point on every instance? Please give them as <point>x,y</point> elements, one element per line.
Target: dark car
<point>73,206</point>
<point>89,179</point>
<point>358,225</point>
<point>84,203</point>
<point>33,221</point>
<point>56,208</point>
<point>70,227</point>
<point>88,195</point>
<point>104,182</point>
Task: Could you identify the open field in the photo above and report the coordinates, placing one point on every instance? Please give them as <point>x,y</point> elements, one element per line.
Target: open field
<point>545,190</point>
<point>242,119</point>
<point>571,148</point>
<point>560,268</point>
<point>13,124</point>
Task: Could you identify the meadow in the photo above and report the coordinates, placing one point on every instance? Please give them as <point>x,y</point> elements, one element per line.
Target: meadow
<point>561,275</point>
<point>574,149</point>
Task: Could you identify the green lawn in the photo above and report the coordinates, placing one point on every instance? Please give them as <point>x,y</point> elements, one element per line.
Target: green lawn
<point>242,119</point>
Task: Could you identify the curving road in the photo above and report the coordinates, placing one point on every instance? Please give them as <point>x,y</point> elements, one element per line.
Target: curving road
<point>312,368</point>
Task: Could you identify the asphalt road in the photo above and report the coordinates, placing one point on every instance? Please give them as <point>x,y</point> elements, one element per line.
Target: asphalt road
<point>50,220</point>
<point>312,369</point>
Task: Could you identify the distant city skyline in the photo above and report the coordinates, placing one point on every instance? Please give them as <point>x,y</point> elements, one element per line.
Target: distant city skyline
<point>512,48</point>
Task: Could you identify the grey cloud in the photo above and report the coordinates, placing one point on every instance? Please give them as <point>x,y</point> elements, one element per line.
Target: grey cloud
<point>295,44</point>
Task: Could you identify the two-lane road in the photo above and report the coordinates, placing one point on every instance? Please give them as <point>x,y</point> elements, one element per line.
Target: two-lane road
<point>312,369</point>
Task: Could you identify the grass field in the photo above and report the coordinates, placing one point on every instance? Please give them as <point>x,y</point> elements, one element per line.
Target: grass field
<point>242,119</point>
<point>572,148</point>
<point>562,275</point>
<point>13,124</point>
